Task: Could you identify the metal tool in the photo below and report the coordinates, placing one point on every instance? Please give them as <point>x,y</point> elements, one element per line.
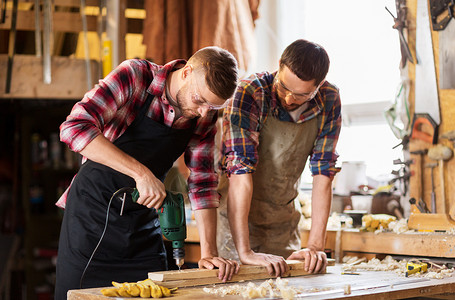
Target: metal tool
<point>38,45</point>
<point>441,153</point>
<point>421,206</point>
<point>415,267</point>
<point>88,70</point>
<point>172,222</point>
<point>2,11</point>
<point>421,153</point>
<point>400,24</point>
<point>11,48</point>
<point>426,91</point>
<point>433,198</point>
<point>48,41</point>
<point>424,128</point>
<point>442,11</point>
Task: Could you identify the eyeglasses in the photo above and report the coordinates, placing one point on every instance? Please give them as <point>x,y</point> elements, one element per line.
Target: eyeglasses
<point>202,102</point>
<point>198,99</point>
<point>300,97</point>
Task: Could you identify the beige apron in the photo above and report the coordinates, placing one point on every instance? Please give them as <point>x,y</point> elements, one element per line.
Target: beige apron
<point>274,215</point>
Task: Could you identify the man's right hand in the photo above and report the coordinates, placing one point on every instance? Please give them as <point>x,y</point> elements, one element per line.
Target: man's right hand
<point>151,190</point>
<point>276,265</point>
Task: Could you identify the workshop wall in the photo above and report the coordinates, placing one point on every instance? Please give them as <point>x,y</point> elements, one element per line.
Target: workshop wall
<point>447,112</point>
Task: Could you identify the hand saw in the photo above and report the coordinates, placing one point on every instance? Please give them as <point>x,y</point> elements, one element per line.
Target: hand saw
<point>426,91</point>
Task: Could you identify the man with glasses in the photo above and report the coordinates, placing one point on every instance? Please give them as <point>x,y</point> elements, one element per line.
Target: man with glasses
<point>130,128</point>
<point>275,122</point>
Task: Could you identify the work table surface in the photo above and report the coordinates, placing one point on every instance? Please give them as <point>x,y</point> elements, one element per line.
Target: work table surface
<point>366,285</point>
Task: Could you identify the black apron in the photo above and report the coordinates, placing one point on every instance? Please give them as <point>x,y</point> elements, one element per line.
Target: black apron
<point>132,245</point>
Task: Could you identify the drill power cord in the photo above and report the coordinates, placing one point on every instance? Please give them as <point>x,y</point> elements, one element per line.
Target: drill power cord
<point>114,195</point>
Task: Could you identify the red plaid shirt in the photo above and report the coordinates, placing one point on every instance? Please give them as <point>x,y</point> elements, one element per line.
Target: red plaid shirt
<point>112,105</point>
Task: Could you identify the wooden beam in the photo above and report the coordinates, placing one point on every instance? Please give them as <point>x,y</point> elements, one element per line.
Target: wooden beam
<point>65,22</point>
<point>68,78</point>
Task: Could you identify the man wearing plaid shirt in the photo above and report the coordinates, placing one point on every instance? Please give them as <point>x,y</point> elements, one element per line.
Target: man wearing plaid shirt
<point>275,122</point>
<point>130,129</point>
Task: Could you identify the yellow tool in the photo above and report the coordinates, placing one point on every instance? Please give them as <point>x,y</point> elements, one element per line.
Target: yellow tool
<point>416,267</point>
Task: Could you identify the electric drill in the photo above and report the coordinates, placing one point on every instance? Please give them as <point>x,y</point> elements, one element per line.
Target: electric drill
<point>172,221</point>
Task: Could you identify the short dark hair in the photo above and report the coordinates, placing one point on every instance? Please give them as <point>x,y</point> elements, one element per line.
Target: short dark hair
<point>220,69</point>
<point>307,60</point>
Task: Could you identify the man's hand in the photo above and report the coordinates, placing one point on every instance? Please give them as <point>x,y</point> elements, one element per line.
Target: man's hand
<point>315,261</point>
<point>276,265</point>
<point>151,190</point>
<point>226,267</point>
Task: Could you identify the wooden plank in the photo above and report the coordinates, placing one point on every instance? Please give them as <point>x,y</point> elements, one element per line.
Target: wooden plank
<point>27,80</point>
<point>196,277</point>
<point>244,271</point>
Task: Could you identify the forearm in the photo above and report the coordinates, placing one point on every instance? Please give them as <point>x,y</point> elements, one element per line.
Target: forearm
<point>320,209</point>
<point>206,225</point>
<point>238,206</point>
<point>102,151</point>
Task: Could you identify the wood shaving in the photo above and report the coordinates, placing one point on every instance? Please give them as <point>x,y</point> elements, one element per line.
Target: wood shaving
<point>279,288</point>
<point>399,226</point>
<point>389,264</point>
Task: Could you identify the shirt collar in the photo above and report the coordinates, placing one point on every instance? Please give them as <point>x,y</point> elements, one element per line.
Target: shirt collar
<point>158,84</point>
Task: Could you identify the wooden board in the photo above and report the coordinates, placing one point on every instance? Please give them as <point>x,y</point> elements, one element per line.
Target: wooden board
<point>195,277</point>
<point>27,78</point>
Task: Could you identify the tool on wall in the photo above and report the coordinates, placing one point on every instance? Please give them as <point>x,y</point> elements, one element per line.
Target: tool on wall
<point>424,128</point>
<point>48,41</point>
<point>433,196</point>
<point>402,175</point>
<point>2,11</point>
<point>400,24</point>
<point>421,206</point>
<point>442,11</point>
<point>441,153</point>
<point>88,71</point>
<point>426,91</point>
<point>37,8</point>
<point>450,135</point>
<point>100,29</point>
<point>11,47</point>
<point>421,154</point>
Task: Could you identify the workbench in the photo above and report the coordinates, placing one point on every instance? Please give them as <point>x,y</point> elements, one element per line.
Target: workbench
<point>366,285</point>
<point>354,242</point>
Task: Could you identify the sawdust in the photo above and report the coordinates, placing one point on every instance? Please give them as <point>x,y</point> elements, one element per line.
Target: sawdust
<point>279,288</point>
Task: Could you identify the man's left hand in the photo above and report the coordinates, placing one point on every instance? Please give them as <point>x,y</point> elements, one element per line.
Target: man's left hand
<point>315,261</point>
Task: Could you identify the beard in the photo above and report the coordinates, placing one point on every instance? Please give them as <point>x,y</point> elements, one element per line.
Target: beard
<point>181,103</point>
